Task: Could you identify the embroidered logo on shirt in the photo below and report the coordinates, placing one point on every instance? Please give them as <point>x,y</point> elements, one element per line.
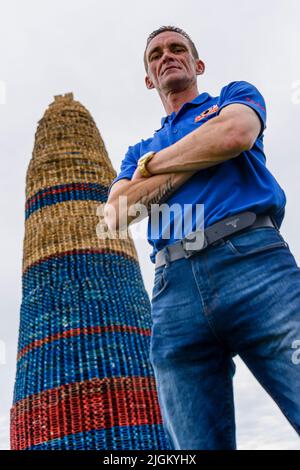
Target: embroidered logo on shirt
<point>207,112</point>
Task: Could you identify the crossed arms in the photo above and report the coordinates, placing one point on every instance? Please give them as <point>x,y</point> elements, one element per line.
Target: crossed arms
<point>221,138</point>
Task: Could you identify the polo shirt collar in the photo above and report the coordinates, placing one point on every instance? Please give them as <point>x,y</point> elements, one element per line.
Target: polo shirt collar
<point>195,102</point>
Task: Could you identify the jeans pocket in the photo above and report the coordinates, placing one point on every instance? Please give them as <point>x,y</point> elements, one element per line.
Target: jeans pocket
<point>160,281</point>
<point>255,241</point>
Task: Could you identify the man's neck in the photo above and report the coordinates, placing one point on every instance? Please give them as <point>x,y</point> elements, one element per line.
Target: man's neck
<point>173,101</point>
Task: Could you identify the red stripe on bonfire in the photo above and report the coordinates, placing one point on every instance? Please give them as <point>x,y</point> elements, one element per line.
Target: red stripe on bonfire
<point>84,331</point>
<point>82,407</point>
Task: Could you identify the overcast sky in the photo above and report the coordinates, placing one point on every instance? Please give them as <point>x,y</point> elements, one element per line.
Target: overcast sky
<point>94,49</point>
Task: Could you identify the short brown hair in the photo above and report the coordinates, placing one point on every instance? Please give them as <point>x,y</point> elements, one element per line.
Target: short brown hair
<point>162,29</point>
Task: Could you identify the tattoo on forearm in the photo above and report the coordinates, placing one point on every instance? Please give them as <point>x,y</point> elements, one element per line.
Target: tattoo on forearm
<point>162,193</point>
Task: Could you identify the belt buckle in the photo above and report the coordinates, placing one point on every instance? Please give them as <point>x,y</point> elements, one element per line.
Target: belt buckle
<point>200,243</point>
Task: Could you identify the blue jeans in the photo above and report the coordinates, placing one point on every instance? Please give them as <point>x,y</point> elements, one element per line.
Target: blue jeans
<point>238,296</point>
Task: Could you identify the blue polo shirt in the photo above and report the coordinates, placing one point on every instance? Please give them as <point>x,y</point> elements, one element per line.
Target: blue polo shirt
<point>236,185</point>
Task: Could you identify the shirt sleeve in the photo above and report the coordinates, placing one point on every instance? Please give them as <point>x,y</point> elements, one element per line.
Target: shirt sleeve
<point>128,165</point>
<point>244,93</point>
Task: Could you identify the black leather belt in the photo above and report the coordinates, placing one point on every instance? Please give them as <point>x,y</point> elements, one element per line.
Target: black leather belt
<point>200,239</point>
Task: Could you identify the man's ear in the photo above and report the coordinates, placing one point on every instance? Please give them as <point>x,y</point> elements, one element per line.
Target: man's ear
<point>149,83</point>
<point>200,67</point>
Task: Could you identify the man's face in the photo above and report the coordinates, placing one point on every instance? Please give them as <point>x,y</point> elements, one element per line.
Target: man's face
<point>171,64</point>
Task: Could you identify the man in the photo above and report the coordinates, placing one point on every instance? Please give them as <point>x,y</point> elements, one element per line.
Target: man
<point>236,289</point>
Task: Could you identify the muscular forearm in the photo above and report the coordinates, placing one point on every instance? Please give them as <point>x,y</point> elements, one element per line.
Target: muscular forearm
<point>156,189</point>
<point>145,192</point>
<point>214,142</point>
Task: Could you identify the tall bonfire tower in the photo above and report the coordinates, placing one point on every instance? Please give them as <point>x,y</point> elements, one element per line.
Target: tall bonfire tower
<point>84,379</point>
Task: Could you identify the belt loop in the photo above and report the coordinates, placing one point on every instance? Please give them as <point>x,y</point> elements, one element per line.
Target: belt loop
<point>274,222</point>
<point>167,256</point>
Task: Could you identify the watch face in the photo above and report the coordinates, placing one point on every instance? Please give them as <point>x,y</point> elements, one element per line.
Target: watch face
<point>143,162</point>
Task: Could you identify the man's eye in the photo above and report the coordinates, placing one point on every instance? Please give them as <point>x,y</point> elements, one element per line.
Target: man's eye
<point>154,57</point>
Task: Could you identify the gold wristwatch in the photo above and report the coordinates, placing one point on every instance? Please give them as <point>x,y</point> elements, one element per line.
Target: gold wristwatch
<point>143,162</point>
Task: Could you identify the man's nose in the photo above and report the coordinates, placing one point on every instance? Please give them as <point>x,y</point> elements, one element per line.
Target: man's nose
<point>167,56</point>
